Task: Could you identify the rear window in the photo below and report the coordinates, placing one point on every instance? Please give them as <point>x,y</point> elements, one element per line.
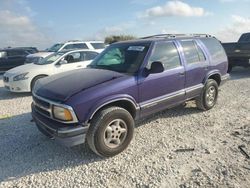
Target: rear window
<point>98,45</point>
<point>215,48</point>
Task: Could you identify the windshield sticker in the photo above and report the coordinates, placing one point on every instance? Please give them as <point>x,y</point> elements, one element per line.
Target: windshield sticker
<point>136,48</point>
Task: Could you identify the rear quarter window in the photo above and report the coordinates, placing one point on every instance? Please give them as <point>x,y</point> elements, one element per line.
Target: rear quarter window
<point>215,49</point>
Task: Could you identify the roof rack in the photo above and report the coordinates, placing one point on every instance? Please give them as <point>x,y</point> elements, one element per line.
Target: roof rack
<point>171,36</point>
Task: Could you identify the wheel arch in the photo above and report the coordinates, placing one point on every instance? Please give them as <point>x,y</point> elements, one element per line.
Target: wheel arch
<point>127,103</point>
<point>33,79</point>
<point>215,76</point>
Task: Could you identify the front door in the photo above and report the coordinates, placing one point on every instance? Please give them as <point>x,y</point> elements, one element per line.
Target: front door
<point>159,91</point>
<point>72,61</point>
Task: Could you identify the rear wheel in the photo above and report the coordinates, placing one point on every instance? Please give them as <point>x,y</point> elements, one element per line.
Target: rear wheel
<point>111,131</point>
<point>208,96</point>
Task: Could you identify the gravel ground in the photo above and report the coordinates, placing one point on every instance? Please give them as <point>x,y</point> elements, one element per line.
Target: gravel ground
<point>28,159</point>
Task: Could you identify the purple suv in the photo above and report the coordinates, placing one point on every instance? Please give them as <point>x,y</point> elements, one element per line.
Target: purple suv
<point>126,82</point>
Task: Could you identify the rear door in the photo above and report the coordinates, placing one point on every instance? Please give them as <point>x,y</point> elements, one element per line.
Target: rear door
<point>158,91</point>
<point>196,65</point>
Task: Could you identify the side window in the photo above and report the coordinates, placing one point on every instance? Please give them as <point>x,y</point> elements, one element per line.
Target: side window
<point>68,47</point>
<point>89,55</point>
<point>14,53</point>
<point>73,57</point>
<point>200,53</point>
<point>215,48</point>
<point>80,46</point>
<point>3,54</point>
<point>165,52</point>
<point>190,52</point>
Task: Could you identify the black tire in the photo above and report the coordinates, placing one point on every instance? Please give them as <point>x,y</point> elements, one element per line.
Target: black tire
<point>34,81</point>
<point>207,98</point>
<point>100,127</point>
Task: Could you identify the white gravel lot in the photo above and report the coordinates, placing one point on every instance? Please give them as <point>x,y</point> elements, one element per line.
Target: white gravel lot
<point>28,159</point>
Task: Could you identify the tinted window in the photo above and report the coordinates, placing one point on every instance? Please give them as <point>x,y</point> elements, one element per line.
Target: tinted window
<point>190,52</point>
<point>166,52</point>
<point>98,45</point>
<point>76,46</point>
<point>3,54</point>
<point>80,46</point>
<point>214,47</point>
<point>89,55</point>
<point>245,38</point>
<point>16,53</point>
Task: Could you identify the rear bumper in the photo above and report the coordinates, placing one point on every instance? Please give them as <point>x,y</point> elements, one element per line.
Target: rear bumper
<point>69,135</point>
<point>224,78</point>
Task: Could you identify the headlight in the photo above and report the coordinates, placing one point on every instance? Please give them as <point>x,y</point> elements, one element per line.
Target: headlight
<point>20,77</point>
<point>61,113</point>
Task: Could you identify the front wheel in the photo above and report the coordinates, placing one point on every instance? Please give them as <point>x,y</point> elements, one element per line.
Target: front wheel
<point>111,131</point>
<point>208,96</point>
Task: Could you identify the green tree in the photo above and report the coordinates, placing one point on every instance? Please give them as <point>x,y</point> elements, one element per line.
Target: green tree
<point>116,38</point>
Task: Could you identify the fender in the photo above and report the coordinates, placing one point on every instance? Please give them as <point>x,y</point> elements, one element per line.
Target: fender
<point>110,99</point>
<point>213,72</point>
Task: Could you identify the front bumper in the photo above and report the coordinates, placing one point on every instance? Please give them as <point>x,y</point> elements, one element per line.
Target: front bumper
<point>17,86</point>
<point>224,78</point>
<point>66,134</point>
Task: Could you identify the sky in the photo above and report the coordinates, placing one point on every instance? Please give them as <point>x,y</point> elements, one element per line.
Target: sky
<point>43,23</point>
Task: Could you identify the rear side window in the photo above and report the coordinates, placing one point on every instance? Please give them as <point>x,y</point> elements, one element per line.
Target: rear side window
<point>76,46</point>
<point>89,55</point>
<point>98,45</point>
<point>165,52</point>
<point>192,52</point>
<point>215,48</point>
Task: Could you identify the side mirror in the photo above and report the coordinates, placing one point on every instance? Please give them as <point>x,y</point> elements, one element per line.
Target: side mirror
<point>63,61</point>
<point>156,67</point>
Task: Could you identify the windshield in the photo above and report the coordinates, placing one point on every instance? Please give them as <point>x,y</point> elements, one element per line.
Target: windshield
<point>54,48</point>
<point>32,60</point>
<point>123,58</point>
<point>49,59</point>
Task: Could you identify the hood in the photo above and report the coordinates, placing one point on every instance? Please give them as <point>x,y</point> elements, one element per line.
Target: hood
<point>61,86</point>
<point>23,69</point>
<point>40,54</point>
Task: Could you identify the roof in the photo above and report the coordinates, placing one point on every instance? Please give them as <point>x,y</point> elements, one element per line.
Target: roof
<point>167,37</point>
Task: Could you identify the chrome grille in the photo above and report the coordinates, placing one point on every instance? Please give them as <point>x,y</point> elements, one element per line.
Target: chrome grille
<point>42,106</point>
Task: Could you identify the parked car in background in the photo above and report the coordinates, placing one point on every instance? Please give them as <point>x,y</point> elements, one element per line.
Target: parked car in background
<point>13,57</point>
<point>128,81</point>
<point>239,52</point>
<point>98,46</point>
<point>23,78</point>
<point>36,57</point>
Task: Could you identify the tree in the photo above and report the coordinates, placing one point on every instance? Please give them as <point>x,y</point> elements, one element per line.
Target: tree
<point>116,38</point>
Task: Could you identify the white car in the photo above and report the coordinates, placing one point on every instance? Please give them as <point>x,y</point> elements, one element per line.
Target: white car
<point>98,46</point>
<point>23,78</point>
<point>36,57</point>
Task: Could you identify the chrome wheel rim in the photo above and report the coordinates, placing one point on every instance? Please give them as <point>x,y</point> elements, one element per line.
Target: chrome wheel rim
<point>211,95</point>
<point>115,133</point>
